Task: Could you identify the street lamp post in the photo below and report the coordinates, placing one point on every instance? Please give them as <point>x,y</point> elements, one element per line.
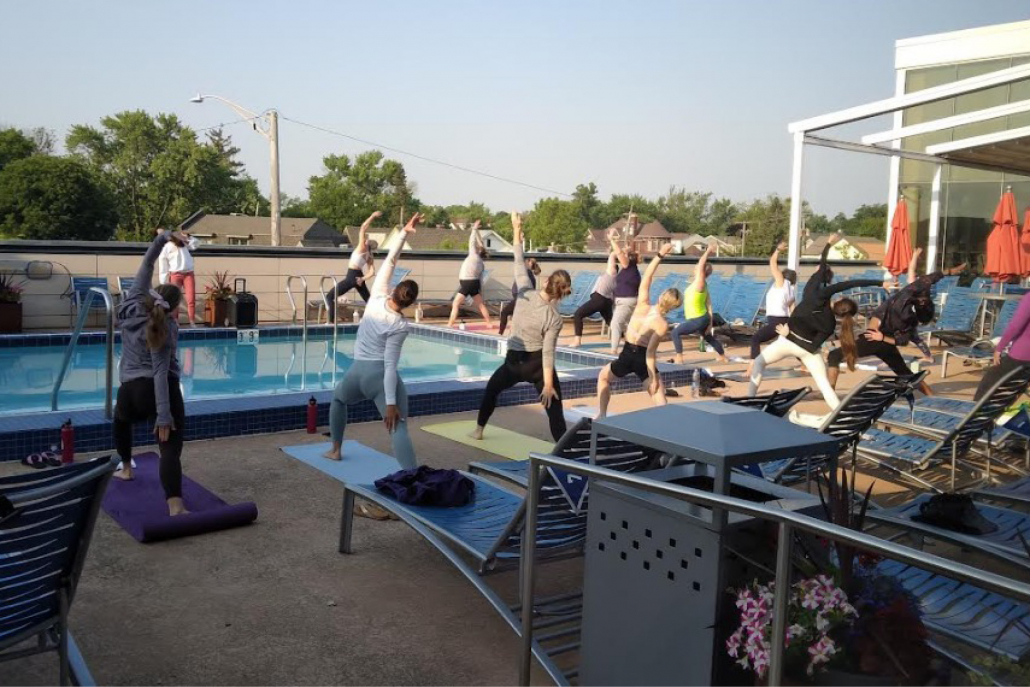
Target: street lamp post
<point>269,128</point>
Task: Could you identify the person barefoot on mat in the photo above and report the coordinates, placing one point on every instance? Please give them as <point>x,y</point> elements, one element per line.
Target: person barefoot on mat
<point>149,373</point>
<point>810,325</point>
<point>534,334</point>
<point>377,350</point>
<point>647,327</point>
<point>697,308</point>
<point>779,301</point>
<point>895,322</point>
<point>533,270</point>
<point>470,284</point>
<point>360,261</point>
<point>601,301</point>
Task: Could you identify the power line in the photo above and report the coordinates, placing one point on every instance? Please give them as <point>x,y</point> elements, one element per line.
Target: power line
<point>428,159</point>
<point>219,126</point>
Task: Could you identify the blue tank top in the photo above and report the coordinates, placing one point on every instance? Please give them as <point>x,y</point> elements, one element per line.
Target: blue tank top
<point>627,282</point>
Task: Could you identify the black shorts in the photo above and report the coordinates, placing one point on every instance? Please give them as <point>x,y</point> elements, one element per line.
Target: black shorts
<point>470,287</point>
<point>633,359</point>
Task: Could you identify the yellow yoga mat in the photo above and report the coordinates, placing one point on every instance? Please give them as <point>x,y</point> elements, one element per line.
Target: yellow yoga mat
<point>496,440</point>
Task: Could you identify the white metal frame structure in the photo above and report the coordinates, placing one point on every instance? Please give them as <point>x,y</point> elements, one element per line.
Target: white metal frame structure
<point>998,152</point>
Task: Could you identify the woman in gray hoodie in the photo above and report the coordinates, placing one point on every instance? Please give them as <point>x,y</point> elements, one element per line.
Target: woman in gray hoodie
<point>149,374</point>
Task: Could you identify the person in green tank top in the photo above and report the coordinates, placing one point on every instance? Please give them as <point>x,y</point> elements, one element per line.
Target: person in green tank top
<point>697,308</point>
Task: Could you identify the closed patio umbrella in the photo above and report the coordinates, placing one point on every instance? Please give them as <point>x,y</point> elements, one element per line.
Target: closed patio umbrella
<point>899,251</point>
<point>1024,244</point>
<point>1003,247</point>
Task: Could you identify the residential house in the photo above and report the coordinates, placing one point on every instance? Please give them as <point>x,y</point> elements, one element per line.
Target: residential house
<point>847,248</point>
<point>646,239</point>
<point>248,230</point>
<point>695,244</point>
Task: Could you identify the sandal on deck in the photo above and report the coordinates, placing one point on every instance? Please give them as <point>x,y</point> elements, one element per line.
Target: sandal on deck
<point>35,460</point>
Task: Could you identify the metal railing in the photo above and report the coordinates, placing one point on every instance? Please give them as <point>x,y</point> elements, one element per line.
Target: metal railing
<point>84,309</point>
<point>325,299</point>
<point>788,522</point>
<point>293,303</point>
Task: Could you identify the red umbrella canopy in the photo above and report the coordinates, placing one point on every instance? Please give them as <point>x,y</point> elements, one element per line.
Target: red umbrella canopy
<point>899,251</point>
<point>1024,244</point>
<point>1003,248</point>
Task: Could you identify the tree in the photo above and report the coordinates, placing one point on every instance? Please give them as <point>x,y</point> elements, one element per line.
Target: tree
<point>54,198</point>
<point>589,204</point>
<point>157,170</point>
<point>350,191</point>
<point>558,222</point>
<point>14,145</point>
<point>501,223</point>
<point>436,216</point>
<point>291,206</point>
<point>470,213</point>
<point>609,213</point>
<point>869,220</point>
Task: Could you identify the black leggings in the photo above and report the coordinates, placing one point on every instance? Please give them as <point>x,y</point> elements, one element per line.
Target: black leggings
<point>886,352</point>
<point>995,373</point>
<point>507,311</point>
<point>520,366</point>
<point>596,304</point>
<point>767,332</point>
<point>136,403</point>
<point>349,282</point>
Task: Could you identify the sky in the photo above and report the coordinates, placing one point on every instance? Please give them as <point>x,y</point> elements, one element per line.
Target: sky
<point>633,96</point>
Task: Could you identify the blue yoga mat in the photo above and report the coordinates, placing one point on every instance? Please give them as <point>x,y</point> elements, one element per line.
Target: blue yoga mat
<point>360,464</point>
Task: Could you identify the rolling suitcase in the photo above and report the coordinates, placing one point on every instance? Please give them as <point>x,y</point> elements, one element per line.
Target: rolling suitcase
<point>243,307</point>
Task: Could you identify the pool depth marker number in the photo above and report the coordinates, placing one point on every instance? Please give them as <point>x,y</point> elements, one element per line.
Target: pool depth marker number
<point>248,337</point>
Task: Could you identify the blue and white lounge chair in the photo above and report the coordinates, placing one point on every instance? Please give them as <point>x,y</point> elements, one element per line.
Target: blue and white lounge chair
<point>905,453</point>
<point>982,350</point>
<point>746,298</point>
<point>582,286</point>
<point>43,546</point>
<point>124,286</point>
<point>79,292</point>
<point>958,316</point>
<point>776,403</point>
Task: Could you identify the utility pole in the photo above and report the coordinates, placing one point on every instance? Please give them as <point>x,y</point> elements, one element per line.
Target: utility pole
<point>273,139</point>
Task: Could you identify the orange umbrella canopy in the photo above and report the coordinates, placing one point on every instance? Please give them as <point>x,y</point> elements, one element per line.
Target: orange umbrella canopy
<point>1003,247</point>
<point>1024,244</point>
<point>899,251</point>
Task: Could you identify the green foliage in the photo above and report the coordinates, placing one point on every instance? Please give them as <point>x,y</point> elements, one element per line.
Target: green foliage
<point>501,223</point>
<point>867,220</point>
<point>557,222</point>
<point>290,206</point>
<point>768,221</point>
<point>350,190</point>
<point>470,213</point>
<point>14,145</point>
<point>609,213</point>
<point>54,198</point>
<point>436,216</point>
<point>159,172</point>
<point>590,206</point>
<point>694,212</point>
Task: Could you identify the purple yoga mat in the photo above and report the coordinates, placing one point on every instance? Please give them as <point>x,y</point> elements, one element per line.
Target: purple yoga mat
<point>139,506</point>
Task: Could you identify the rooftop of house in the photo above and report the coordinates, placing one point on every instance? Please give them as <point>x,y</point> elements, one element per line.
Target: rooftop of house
<point>294,231</point>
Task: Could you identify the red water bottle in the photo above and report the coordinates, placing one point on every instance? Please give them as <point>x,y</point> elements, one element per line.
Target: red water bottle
<point>67,442</point>
<point>312,415</point>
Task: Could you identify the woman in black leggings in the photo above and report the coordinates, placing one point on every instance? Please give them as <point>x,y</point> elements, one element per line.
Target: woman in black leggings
<point>535,328</point>
<point>149,375</point>
<point>602,300</point>
<point>532,270</point>
<point>360,260</point>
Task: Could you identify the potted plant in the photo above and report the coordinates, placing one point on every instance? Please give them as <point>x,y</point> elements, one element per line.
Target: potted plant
<point>10,304</point>
<point>216,303</point>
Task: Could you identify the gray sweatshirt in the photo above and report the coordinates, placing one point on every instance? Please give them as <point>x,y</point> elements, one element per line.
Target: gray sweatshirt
<point>137,358</point>
<point>536,323</point>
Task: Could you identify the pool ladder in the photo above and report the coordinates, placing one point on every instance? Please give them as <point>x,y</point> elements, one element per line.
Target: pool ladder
<point>304,334</point>
<point>84,309</point>
<point>335,322</point>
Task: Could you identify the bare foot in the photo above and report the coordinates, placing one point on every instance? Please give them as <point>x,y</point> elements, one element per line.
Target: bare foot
<point>477,434</point>
<point>125,473</point>
<point>723,359</point>
<point>332,455</point>
<point>576,343</point>
<point>176,506</point>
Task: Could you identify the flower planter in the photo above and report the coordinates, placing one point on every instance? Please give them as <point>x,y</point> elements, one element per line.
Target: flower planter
<point>10,318</point>
<point>216,313</point>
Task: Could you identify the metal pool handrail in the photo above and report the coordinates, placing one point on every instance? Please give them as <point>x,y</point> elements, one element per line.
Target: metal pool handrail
<point>293,303</point>
<point>70,348</point>
<point>788,521</point>
<point>325,299</point>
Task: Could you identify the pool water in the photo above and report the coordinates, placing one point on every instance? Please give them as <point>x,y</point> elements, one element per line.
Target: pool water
<point>222,368</point>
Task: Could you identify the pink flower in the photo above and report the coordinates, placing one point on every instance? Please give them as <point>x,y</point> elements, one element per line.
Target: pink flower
<point>820,653</point>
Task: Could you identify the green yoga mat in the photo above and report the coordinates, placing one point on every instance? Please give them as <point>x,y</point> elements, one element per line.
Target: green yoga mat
<point>497,440</point>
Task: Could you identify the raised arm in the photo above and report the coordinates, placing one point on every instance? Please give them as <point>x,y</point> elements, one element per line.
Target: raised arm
<point>774,264</point>
<point>644,292</point>
<point>522,280</point>
<point>363,232</point>
<point>145,273</point>
<point>381,286</point>
<point>618,251</point>
<point>699,268</point>
<point>475,242</point>
<point>912,265</point>
<point>611,269</point>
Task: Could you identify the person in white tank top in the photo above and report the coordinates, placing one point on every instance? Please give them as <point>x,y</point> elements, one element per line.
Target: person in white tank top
<point>779,301</point>
<point>360,268</point>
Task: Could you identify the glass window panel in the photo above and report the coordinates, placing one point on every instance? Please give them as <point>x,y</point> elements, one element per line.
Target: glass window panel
<point>970,208</point>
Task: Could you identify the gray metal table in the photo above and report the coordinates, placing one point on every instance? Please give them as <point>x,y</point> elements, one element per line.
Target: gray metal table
<point>722,435</point>
<point>988,298</point>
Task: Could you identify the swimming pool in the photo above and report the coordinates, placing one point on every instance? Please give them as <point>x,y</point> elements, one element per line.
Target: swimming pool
<point>223,368</point>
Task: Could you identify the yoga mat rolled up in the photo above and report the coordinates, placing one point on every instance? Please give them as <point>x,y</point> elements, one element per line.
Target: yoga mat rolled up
<point>139,506</point>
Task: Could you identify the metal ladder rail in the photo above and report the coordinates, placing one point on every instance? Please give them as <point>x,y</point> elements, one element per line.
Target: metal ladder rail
<point>83,315</point>
<point>335,322</point>
<point>304,335</point>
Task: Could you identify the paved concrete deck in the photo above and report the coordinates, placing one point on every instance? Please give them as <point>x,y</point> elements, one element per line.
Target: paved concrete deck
<point>274,603</point>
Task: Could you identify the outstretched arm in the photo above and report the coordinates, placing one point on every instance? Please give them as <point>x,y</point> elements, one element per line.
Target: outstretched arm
<point>611,269</point>
<point>618,251</point>
<point>381,286</point>
<point>475,242</point>
<point>644,292</point>
<point>912,265</point>
<point>699,269</point>
<point>774,264</point>
<point>522,280</point>
<point>363,232</point>
<point>145,273</point>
